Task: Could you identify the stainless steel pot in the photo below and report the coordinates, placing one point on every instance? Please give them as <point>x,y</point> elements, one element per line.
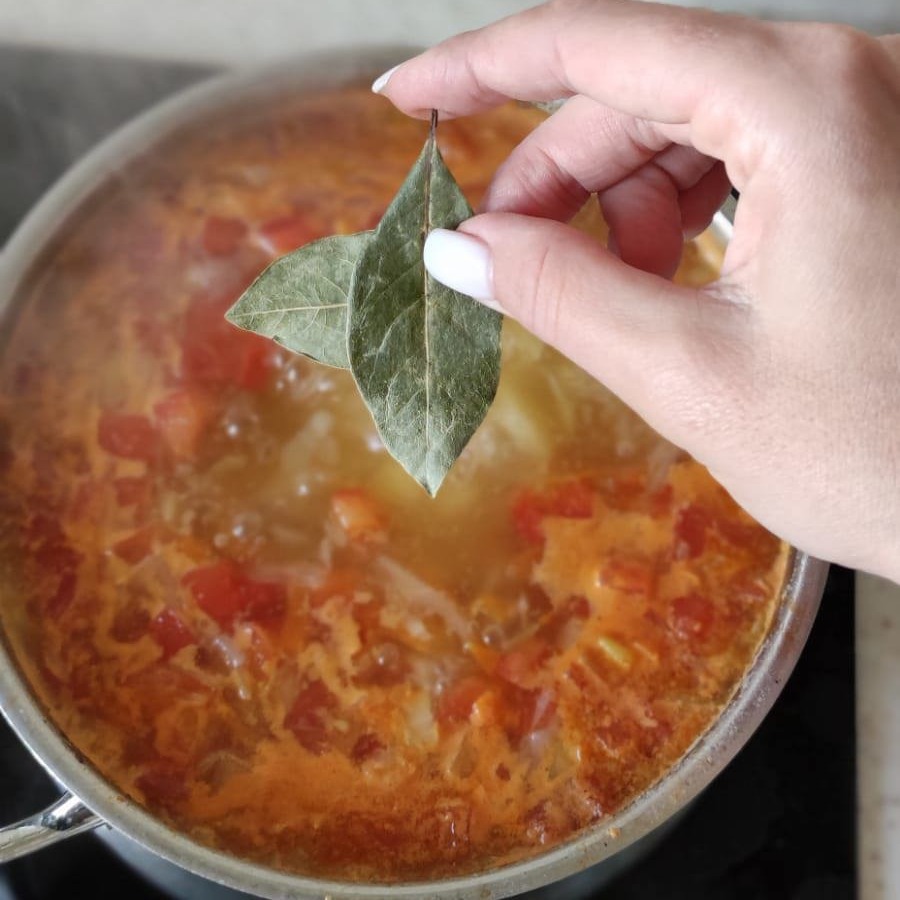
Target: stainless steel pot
<point>89,800</point>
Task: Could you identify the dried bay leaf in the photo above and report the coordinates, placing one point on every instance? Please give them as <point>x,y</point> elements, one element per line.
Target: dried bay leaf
<point>426,359</point>
<point>300,300</point>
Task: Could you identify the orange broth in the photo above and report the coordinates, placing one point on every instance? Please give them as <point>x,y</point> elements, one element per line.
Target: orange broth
<point>241,610</point>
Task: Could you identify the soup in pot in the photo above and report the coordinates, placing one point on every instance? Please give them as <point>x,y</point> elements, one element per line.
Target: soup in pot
<point>247,617</point>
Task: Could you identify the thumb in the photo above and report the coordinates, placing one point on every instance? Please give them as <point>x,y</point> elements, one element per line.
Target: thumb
<point>674,354</point>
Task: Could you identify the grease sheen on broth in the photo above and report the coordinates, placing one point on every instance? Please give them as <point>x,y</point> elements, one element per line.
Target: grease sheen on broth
<point>246,616</point>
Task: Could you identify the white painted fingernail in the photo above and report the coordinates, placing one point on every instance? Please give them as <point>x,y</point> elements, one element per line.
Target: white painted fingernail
<point>380,83</point>
<point>461,262</point>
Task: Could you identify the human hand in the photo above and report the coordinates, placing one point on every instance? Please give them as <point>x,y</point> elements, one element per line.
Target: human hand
<point>783,376</point>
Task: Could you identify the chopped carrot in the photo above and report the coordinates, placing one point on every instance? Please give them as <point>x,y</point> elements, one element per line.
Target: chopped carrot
<point>359,515</point>
<point>182,417</point>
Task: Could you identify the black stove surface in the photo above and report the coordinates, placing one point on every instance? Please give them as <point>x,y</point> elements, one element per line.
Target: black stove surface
<point>778,824</point>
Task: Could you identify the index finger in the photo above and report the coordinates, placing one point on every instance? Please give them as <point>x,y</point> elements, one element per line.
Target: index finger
<point>667,64</point>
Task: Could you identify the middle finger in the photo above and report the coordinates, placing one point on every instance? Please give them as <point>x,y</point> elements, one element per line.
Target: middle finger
<point>583,148</point>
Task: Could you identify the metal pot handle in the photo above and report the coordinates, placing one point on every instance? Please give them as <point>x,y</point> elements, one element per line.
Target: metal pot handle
<point>65,818</point>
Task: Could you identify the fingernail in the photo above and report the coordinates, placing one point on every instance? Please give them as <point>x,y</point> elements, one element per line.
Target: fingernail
<point>461,262</point>
<point>380,83</point>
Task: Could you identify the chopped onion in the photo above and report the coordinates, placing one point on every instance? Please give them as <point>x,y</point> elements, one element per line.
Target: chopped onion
<point>420,725</point>
<point>313,449</point>
<point>219,766</point>
<point>659,460</point>
<point>416,594</point>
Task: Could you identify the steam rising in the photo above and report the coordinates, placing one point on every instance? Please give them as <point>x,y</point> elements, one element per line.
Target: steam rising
<point>55,106</point>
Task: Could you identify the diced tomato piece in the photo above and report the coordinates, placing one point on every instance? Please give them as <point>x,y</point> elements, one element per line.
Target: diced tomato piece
<point>748,536</point>
<point>521,664</point>
<point>182,417</point>
<point>691,525</point>
<point>366,746</point>
<point>131,490</point>
<point>572,499</point>
<point>359,515</point>
<point>256,364</point>
<point>226,594</point>
<point>216,353</point>
<point>128,435</point>
<point>169,630</point>
<point>456,702</point>
<point>692,616</point>
<point>217,590</point>
<point>222,236</point>
<point>265,601</point>
<point>135,547</point>
<point>307,716</point>
<point>528,517</point>
<point>286,233</point>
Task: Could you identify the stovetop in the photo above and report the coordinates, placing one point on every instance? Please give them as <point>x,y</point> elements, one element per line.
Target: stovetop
<point>780,822</point>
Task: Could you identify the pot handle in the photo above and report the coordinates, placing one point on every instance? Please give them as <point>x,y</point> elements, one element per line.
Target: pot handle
<point>65,818</point>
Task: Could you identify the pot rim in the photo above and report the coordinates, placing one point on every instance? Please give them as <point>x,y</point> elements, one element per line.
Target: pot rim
<point>773,663</point>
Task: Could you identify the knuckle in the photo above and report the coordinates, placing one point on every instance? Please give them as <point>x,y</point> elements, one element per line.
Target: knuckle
<point>845,51</point>
<point>543,178</point>
<point>832,57</point>
<point>847,79</point>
